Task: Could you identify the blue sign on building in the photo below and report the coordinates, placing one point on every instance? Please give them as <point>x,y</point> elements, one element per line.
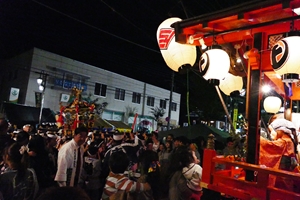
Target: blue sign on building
<point>70,84</point>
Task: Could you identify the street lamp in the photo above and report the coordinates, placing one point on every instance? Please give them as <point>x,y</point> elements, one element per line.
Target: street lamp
<point>41,81</point>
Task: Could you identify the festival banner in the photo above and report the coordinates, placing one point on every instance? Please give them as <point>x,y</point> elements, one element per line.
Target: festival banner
<point>38,99</point>
<point>65,97</point>
<point>14,95</point>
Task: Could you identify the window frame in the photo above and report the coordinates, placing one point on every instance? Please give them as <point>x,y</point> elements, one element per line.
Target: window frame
<point>136,97</point>
<point>150,101</point>
<point>163,103</point>
<point>173,106</point>
<point>102,91</point>
<point>120,94</point>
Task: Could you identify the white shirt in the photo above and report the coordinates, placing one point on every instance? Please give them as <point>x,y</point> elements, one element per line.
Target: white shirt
<point>66,163</point>
<point>193,174</point>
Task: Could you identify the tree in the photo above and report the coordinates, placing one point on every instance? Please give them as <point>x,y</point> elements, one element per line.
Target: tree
<point>129,111</point>
<point>158,113</point>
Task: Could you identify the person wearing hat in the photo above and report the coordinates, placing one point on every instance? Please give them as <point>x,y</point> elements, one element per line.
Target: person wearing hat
<point>90,176</point>
<point>27,128</point>
<point>278,152</point>
<point>281,150</point>
<point>130,149</point>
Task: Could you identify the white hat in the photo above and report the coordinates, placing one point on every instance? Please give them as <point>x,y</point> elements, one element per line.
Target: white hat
<point>284,125</point>
<point>118,136</point>
<point>51,134</point>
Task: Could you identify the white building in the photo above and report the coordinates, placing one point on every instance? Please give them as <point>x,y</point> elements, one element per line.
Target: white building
<point>121,93</point>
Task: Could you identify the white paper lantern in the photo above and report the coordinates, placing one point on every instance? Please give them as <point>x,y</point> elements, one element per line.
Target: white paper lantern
<point>174,54</point>
<point>285,58</point>
<point>272,104</point>
<point>214,64</point>
<point>231,83</point>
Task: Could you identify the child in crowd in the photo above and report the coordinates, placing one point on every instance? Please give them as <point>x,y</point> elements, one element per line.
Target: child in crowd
<point>18,181</point>
<point>117,184</point>
<point>193,173</point>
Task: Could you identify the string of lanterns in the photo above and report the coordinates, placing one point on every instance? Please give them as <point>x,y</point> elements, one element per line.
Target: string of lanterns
<point>214,63</point>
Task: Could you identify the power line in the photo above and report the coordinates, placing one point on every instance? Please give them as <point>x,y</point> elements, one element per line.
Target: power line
<point>94,27</point>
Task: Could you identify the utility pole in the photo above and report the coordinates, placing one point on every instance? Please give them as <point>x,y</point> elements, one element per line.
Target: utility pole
<point>170,102</point>
<point>42,81</point>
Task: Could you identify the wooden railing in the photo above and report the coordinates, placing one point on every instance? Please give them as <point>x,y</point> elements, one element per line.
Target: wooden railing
<point>230,180</point>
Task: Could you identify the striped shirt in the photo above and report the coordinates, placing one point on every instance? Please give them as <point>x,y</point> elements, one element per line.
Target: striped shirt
<point>115,182</point>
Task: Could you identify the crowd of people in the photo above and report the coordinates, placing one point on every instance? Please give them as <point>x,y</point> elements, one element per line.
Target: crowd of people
<point>97,165</point>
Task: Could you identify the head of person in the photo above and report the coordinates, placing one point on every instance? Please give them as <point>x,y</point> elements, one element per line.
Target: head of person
<point>16,158</point>
<point>162,147</point>
<point>180,141</point>
<point>279,127</point>
<point>176,142</point>
<point>118,162</point>
<point>51,139</point>
<point>96,135</point>
<point>118,137</point>
<point>3,126</point>
<point>27,128</point>
<point>170,137</point>
<point>229,142</point>
<point>80,135</point>
<point>181,158</point>
<point>64,193</point>
<point>92,151</point>
<point>193,147</point>
<point>23,138</point>
<point>154,135</point>
<point>37,145</point>
<point>169,145</point>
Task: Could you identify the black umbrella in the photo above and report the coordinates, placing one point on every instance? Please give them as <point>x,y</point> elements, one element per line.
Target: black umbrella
<point>195,131</point>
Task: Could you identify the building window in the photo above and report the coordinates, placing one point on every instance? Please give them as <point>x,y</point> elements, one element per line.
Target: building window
<point>163,104</point>
<point>136,97</point>
<point>100,89</point>
<point>120,94</point>
<point>150,101</point>
<point>174,106</point>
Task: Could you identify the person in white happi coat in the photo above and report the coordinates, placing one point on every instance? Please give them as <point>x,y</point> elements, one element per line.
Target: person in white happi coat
<point>70,159</point>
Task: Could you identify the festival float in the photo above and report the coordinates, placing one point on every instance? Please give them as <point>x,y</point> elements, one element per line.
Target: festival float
<point>257,41</point>
<point>79,111</point>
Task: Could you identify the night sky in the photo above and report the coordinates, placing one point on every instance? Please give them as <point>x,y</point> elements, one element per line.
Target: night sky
<point>116,35</point>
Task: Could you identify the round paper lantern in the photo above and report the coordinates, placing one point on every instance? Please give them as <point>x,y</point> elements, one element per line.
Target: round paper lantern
<point>285,58</point>
<point>272,104</point>
<point>231,83</point>
<point>174,54</point>
<point>214,65</point>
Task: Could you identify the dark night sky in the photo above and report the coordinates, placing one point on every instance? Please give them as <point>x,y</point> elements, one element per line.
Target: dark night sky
<point>116,35</point>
